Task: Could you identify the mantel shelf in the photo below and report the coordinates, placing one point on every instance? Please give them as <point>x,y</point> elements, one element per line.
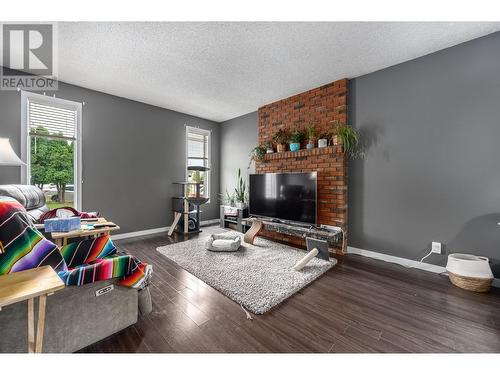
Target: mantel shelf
<point>304,153</point>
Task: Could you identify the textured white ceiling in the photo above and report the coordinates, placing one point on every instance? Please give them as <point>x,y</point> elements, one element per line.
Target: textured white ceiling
<point>219,71</point>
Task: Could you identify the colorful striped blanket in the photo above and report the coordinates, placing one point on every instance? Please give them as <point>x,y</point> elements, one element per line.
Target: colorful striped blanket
<point>77,263</point>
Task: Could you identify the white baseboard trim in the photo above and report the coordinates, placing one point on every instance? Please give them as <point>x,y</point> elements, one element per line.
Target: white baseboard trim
<point>392,259</point>
<point>205,223</point>
<point>139,233</point>
<point>404,262</point>
<point>147,232</point>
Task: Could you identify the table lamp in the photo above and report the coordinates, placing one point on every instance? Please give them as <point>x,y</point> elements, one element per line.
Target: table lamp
<point>7,155</point>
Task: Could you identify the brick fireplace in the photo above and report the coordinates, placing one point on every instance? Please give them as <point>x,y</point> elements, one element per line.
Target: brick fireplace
<point>321,107</point>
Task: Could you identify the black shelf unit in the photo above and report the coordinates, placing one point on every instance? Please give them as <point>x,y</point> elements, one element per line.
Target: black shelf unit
<point>184,207</point>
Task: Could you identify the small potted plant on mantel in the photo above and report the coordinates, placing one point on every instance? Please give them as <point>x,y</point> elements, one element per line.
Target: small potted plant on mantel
<point>296,138</point>
<point>257,154</point>
<point>281,138</point>
<point>269,147</point>
<point>323,140</point>
<point>311,137</point>
<point>347,137</point>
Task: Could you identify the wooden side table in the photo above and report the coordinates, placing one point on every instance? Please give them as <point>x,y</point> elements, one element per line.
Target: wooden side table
<point>105,227</point>
<point>28,285</point>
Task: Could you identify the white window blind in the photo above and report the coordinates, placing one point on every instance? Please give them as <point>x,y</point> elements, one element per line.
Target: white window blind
<point>197,149</point>
<point>58,122</point>
<point>198,154</point>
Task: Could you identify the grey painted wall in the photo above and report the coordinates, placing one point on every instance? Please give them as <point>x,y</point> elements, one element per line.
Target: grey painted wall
<point>132,152</point>
<point>432,171</point>
<point>237,138</point>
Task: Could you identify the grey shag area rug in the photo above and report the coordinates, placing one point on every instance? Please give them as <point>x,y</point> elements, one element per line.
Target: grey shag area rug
<point>258,276</point>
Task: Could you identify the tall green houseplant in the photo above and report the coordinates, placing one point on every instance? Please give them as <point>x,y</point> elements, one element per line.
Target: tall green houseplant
<point>240,191</point>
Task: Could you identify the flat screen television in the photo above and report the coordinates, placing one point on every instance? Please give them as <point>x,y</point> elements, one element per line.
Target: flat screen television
<point>284,196</point>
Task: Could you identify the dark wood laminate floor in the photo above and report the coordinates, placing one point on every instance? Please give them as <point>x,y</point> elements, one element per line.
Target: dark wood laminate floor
<point>361,305</point>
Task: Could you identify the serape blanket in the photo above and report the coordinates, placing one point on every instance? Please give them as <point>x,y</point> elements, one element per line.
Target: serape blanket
<point>79,263</point>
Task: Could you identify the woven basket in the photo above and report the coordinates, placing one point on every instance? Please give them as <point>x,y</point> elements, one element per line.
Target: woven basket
<point>473,284</point>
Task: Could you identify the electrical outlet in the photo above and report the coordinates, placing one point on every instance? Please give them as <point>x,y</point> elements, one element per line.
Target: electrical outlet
<point>436,247</point>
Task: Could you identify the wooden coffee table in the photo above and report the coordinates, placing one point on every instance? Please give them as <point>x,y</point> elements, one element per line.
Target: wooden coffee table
<point>105,227</point>
<point>26,286</point>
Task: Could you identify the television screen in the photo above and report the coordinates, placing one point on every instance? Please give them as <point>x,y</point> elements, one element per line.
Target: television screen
<point>284,196</point>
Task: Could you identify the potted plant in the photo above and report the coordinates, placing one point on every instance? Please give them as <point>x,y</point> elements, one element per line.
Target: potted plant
<point>269,147</point>
<point>336,140</point>
<point>258,153</point>
<point>311,137</point>
<point>295,139</point>
<point>281,138</point>
<point>323,140</point>
<point>230,199</point>
<point>347,137</point>
<point>240,191</point>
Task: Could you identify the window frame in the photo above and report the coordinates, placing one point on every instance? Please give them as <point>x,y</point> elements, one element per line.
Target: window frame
<point>26,97</point>
<point>208,134</point>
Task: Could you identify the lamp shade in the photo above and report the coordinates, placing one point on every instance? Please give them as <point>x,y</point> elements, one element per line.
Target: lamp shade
<point>7,154</point>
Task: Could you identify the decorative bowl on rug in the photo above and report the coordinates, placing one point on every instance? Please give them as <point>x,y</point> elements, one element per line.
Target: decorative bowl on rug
<point>470,272</point>
<point>223,242</point>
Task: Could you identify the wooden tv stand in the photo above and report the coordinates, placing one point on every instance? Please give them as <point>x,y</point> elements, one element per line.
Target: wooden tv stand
<point>332,237</point>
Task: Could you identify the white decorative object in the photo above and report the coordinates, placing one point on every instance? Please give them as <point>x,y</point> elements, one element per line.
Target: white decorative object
<point>223,242</point>
<point>469,265</point>
<point>470,272</point>
<point>7,154</point>
<point>241,205</point>
<point>302,263</point>
<point>322,142</point>
<point>63,213</point>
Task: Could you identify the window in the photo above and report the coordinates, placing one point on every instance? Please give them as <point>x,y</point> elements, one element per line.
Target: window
<point>51,147</point>
<point>198,154</point>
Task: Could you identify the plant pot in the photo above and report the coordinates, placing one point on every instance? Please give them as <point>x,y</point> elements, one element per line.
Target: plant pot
<point>337,141</point>
<point>310,145</point>
<point>294,146</point>
<point>241,205</point>
<point>280,147</point>
<point>323,142</point>
<point>469,272</point>
<point>269,151</point>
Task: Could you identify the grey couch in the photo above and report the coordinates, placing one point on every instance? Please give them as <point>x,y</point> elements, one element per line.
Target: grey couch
<point>31,197</point>
<point>75,316</point>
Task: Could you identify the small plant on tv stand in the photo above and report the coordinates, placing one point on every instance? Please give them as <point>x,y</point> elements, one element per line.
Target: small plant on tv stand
<point>240,191</point>
<point>230,198</point>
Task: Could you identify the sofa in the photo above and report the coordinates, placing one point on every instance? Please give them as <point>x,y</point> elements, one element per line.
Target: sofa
<point>76,316</point>
<point>31,197</point>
